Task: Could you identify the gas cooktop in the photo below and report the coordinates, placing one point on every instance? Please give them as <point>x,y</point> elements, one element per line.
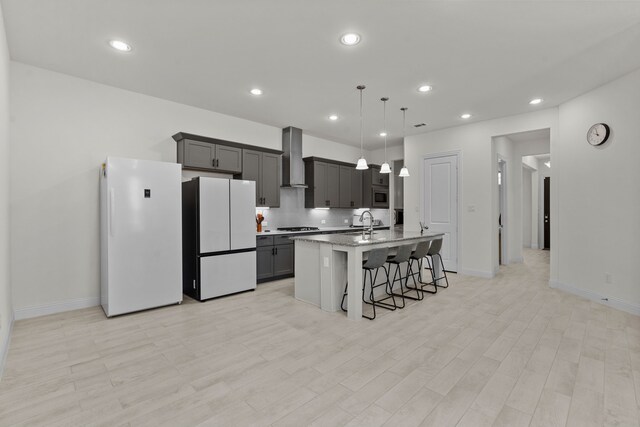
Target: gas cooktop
<point>297,228</point>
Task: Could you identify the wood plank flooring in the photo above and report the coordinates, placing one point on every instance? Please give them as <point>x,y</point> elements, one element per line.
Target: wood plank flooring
<point>504,352</point>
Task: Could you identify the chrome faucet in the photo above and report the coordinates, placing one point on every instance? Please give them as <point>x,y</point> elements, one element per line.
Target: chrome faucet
<point>364,229</point>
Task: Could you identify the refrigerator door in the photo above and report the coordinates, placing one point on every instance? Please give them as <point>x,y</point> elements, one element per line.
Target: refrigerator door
<point>142,229</point>
<point>214,215</point>
<point>243,214</point>
<point>227,274</point>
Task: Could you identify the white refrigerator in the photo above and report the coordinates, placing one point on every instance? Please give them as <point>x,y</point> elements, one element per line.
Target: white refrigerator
<point>219,237</point>
<point>141,235</point>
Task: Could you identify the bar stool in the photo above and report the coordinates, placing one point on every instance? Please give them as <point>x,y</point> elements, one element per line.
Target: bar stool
<point>434,250</point>
<point>375,261</point>
<point>402,255</point>
<point>421,251</point>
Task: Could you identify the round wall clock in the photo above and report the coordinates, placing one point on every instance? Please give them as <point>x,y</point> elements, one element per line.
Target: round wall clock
<point>598,134</point>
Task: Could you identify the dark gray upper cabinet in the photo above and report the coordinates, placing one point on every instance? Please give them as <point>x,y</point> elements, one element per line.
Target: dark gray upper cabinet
<point>264,169</point>
<point>356,188</point>
<point>350,187</point>
<point>198,154</point>
<point>228,159</point>
<point>211,157</point>
<point>271,170</point>
<point>346,200</point>
<point>323,180</point>
<point>379,178</point>
<point>216,155</point>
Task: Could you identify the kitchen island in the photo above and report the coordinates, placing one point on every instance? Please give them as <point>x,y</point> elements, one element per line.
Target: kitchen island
<point>324,263</point>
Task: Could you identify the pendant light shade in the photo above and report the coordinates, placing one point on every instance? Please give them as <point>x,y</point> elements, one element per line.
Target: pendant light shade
<point>385,166</point>
<point>362,163</point>
<point>404,172</point>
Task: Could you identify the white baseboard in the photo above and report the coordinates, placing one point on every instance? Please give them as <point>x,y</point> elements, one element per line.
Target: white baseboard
<point>56,307</point>
<point>5,347</point>
<point>477,273</point>
<point>616,303</point>
<point>534,246</point>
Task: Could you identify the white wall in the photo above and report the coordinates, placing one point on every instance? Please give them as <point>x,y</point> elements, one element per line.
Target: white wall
<point>6,311</point>
<point>527,197</point>
<point>63,129</point>
<point>478,169</point>
<point>599,194</point>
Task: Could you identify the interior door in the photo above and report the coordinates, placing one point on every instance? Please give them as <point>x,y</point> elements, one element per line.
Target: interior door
<point>214,215</point>
<point>547,213</point>
<point>440,209</point>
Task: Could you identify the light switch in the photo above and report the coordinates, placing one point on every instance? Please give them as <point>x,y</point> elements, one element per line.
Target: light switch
<point>326,261</point>
<point>471,208</point>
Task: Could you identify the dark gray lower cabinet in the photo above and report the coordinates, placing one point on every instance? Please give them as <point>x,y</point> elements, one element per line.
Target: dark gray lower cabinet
<point>275,258</point>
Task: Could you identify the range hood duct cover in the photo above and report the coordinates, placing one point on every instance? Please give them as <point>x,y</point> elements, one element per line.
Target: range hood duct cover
<point>292,164</point>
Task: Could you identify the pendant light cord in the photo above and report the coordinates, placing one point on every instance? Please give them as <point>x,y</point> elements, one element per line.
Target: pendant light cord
<point>360,88</point>
<point>384,124</point>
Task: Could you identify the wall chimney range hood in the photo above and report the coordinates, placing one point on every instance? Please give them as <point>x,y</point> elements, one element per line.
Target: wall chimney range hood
<point>292,164</point>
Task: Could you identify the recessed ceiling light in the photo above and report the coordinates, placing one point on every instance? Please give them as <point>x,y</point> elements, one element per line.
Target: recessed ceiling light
<point>465,116</point>
<point>425,88</point>
<point>333,117</point>
<point>383,134</point>
<point>256,91</point>
<point>120,45</point>
<point>350,39</point>
<point>535,101</point>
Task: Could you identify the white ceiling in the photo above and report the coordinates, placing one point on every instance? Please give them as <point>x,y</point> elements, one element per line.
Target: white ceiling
<point>488,58</point>
<point>532,135</point>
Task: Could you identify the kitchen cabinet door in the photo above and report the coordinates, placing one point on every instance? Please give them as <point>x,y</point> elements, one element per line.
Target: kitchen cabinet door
<point>228,159</point>
<point>251,171</point>
<point>198,154</point>
<point>283,259</point>
<point>333,185</point>
<point>320,196</point>
<point>270,178</point>
<point>356,188</point>
<point>264,262</point>
<point>379,178</point>
<point>346,198</point>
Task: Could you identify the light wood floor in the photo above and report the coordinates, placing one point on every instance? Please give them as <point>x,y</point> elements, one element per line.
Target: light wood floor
<point>505,352</point>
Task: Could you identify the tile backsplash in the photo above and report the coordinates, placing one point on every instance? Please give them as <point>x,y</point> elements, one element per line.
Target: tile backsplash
<point>292,213</point>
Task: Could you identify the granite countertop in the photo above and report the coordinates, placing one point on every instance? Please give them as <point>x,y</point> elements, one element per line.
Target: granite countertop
<point>320,230</point>
<point>381,236</point>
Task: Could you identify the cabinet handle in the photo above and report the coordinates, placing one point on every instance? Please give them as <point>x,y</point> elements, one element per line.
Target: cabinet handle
<point>217,162</point>
<point>276,250</point>
<point>273,251</point>
<point>213,163</point>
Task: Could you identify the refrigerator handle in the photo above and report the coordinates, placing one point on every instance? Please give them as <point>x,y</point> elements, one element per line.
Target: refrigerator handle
<point>110,210</point>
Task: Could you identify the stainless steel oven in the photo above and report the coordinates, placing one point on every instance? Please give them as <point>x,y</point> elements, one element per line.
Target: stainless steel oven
<point>379,197</point>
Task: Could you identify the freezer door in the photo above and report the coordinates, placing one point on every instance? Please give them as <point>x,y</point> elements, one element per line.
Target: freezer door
<point>243,214</point>
<point>227,274</point>
<point>142,229</point>
<point>214,214</point>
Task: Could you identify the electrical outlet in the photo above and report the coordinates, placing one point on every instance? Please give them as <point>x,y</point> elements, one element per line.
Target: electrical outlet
<point>323,221</point>
<point>608,278</point>
<point>265,223</point>
<point>346,221</point>
<point>471,208</point>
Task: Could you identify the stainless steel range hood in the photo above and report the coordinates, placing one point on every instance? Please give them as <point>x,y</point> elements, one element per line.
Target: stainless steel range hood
<point>292,164</point>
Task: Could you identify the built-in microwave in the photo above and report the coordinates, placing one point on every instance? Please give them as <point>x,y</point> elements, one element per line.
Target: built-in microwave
<point>379,197</point>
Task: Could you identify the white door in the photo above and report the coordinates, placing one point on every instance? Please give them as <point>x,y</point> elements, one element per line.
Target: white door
<point>214,215</point>
<point>243,214</point>
<point>440,209</point>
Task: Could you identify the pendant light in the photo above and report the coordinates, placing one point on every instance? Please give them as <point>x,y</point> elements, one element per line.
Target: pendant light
<point>404,172</point>
<point>362,163</point>
<point>385,166</point>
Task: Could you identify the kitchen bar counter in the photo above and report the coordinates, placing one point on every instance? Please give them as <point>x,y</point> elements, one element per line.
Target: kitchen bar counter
<point>319,231</point>
<point>324,263</point>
